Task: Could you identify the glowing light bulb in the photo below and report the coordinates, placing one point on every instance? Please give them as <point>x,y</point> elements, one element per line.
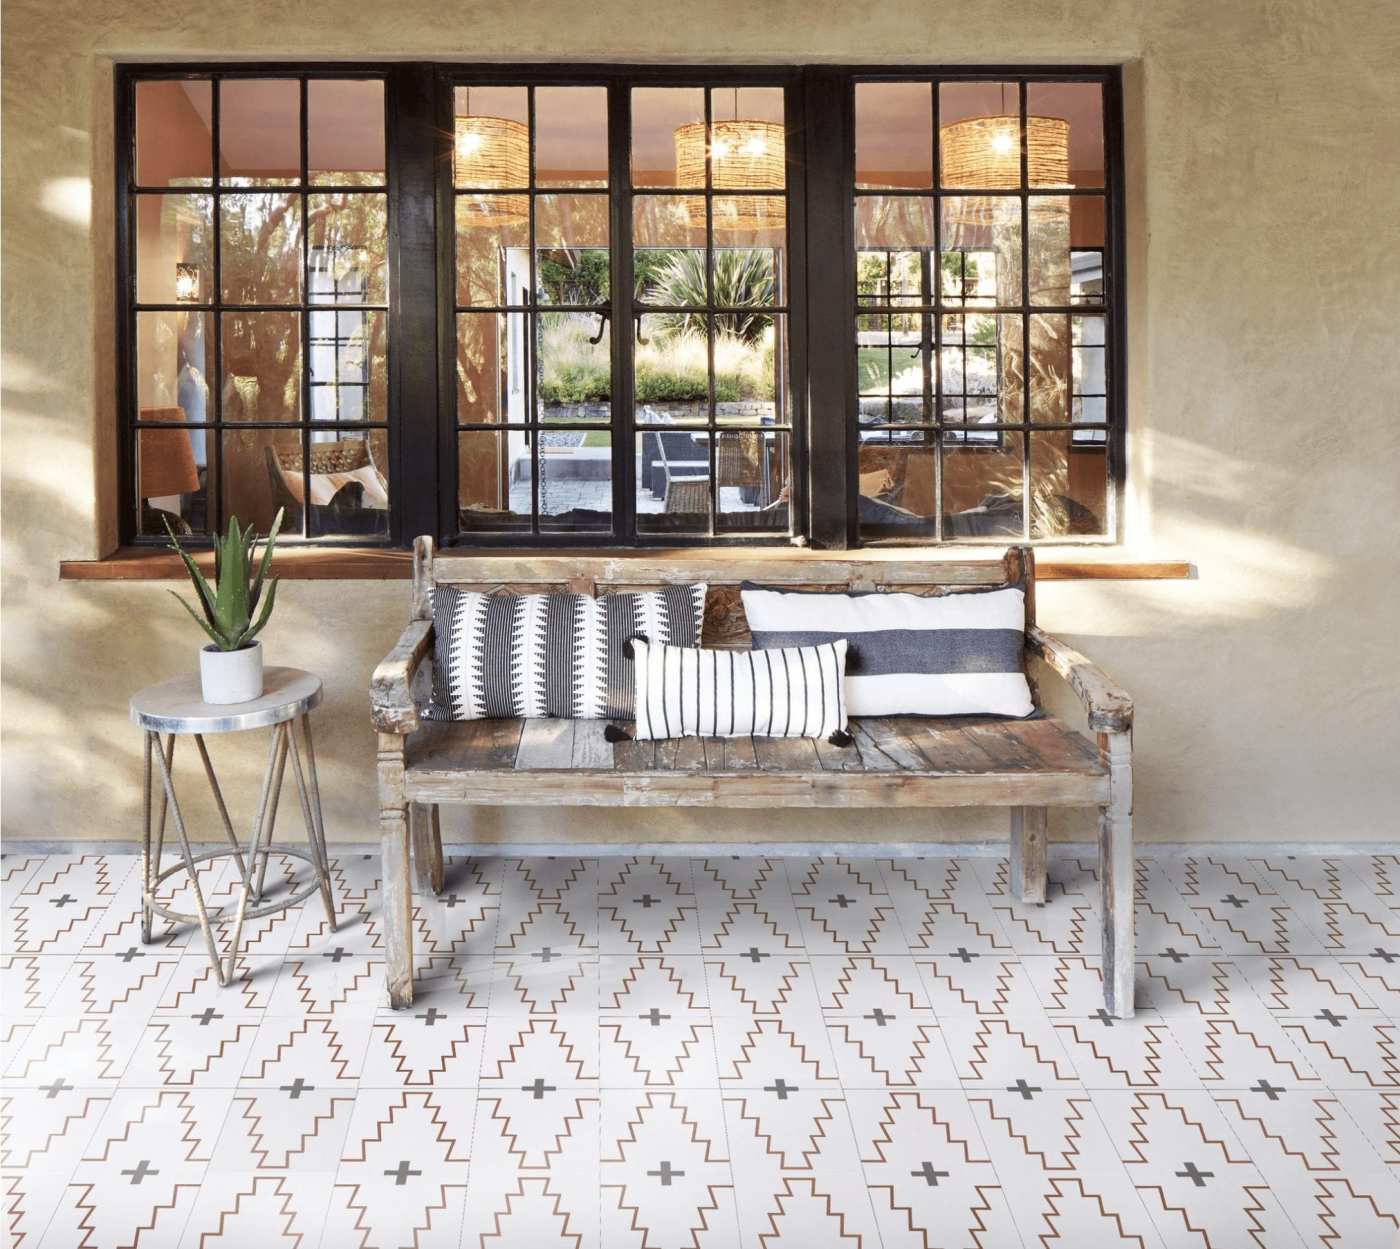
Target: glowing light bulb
<point>1003,142</point>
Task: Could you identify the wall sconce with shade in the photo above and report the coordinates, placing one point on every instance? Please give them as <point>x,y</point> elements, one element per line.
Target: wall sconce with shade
<point>746,155</point>
<point>186,283</point>
<point>492,152</point>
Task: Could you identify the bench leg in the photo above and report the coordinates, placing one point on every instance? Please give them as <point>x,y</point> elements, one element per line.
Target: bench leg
<point>1116,876</point>
<point>427,847</point>
<point>1028,853</point>
<point>398,905</point>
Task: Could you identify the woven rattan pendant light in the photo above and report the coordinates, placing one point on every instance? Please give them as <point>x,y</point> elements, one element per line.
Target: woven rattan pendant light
<point>492,152</point>
<point>984,153</point>
<point>746,155</point>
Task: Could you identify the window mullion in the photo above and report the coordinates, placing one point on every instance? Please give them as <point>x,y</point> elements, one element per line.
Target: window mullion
<point>624,313</point>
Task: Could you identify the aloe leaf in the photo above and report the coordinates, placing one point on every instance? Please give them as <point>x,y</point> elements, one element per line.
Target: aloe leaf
<point>266,562</point>
<point>197,578</point>
<point>203,624</point>
<point>262,615</point>
<point>231,596</point>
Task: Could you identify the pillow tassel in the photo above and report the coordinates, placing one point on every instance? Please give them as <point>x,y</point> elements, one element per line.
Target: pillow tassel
<point>615,733</point>
<point>841,738</point>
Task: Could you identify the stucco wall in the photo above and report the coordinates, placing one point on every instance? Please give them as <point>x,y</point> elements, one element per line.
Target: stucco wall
<point>1264,201</point>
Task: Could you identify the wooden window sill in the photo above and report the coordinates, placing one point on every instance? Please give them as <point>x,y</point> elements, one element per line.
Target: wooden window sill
<point>377,564</point>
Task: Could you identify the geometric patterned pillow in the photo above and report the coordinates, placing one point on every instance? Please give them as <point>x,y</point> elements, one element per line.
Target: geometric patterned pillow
<point>559,655</point>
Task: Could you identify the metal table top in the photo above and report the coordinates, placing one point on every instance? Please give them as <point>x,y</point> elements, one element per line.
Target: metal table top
<point>178,706</point>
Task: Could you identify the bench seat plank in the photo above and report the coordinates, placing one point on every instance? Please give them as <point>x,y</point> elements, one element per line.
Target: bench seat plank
<point>895,761</point>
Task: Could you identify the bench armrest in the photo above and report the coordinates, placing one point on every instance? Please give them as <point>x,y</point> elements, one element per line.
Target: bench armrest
<point>1110,708</point>
<point>391,704</point>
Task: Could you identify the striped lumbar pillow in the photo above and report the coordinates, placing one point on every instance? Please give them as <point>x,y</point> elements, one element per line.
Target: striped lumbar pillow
<point>790,692</point>
<point>950,654</point>
<point>564,655</point>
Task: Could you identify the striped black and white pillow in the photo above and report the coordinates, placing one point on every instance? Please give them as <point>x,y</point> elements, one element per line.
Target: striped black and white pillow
<point>501,655</point>
<point>949,654</point>
<point>791,692</point>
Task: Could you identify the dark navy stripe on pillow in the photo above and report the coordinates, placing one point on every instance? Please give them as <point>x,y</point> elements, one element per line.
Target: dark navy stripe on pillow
<point>881,652</point>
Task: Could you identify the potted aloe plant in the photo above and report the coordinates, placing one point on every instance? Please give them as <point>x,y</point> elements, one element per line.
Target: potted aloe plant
<point>231,668</point>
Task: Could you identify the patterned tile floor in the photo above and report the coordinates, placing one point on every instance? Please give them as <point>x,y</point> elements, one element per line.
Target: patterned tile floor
<point>709,1053</point>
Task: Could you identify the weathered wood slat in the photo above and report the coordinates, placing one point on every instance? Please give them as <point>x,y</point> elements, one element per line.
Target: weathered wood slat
<point>680,754</point>
<point>739,754</point>
<point>947,746</point>
<point>591,748</point>
<point>1006,745</point>
<point>838,758</point>
<point>546,744</point>
<point>785,754</point>
<point>885,746</point>
<point>634,756</point>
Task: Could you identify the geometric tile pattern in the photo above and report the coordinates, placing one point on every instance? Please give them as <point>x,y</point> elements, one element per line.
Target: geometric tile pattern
<point>710,1052</point>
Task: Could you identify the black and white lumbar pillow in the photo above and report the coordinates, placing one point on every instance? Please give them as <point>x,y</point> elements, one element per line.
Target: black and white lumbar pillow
<point>564,655</point>
<point>949,654</point>
<point>795,691</point>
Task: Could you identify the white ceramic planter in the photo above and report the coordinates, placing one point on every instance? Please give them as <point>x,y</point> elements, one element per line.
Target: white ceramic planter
<point>231,676</point>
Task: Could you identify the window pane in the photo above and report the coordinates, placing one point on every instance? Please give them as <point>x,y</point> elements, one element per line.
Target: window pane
<point>747,145</point>
<point>1090,368</point>
<point>981,260</point>
<point>174,361</point>
<point>349,483</point>
<point>262,366</point>
<point>979,134</point>
<point>491,145</point>
<point>894,368</point>
<point>493,480</point>
<point>1069,485</point>
<point>982,484</point>
<point>981,369</point>
<point>1066,249</point>
<point>575,481</point>
<point>571,233</point>
<point>174,249</point>
<point>894,134</point>
<point>493,261</point>
<point>349,378</point>
<point>345,131</point>
<point>750,366</point>
<point>171,473</point>
<point>174,133</point>
<point>347,245</point>
<point>571,136</point>
<point>575,372</point>
<point>490,367</point>
<point>750,251</point>
<point>1079,107</point>
<point>1050,368</point>
<point>665,119</point>
<point>259,131</point>
<point>671,369</point>
<point>260,242</point>
<point>751,467</point>
<point>261,473</point>
<point>673,481</point>
<point>896,482</point>
<point>668,259</point>
<point>894,222</point>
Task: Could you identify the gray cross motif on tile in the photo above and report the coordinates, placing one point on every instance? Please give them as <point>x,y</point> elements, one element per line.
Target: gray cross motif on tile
<point>1234,901</point>
<point>1025,1090</point>
<point>654,1017</point>
<point>132,953</point>
<point>401,1173</point>
<point>336,955</point>
<point>1104,1017</point>
<point>666,1174</point>
<point>1268,1090</point>
<point>879,1016</point>
<point>965,955</point>
<point>1197,1177</point>
<point>842,900</point>
<point>207,1016</point>
<point>1384,955</point>
<point>296,1088</point>
<point>754,953</point>
<point>141,1171</point>
<point>782,1088</point>
<point>1171,953</point>
<point>538,1089</point>
<point>929,1175</point>
<point>53,1090</point>
<point>63,901</point>
<point>431,1016</point>
<point>449,900</point>
<point>1326,1013</point>
<point>545,955</point>
<point>646,901</point>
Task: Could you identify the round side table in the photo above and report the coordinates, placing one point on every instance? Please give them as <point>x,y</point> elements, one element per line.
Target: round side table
<point>175,709</point>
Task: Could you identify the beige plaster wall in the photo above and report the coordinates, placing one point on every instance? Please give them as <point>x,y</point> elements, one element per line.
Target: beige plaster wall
<point>1265,436</point>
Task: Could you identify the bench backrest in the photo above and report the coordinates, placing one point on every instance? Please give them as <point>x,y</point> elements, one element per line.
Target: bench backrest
<point>723,569</point>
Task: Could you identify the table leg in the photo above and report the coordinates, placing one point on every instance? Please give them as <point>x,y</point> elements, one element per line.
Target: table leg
<point>146,886</point>
<point>168,753</point>
<point>174,808</point>
<point>280,768</point>
<point>276,757</point>
<point>219,800</point>
<point>310,814</point>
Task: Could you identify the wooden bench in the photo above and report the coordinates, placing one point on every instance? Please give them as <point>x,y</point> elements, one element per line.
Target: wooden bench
<point>901,761</point>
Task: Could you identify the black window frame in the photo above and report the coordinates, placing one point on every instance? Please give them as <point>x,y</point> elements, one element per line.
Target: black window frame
<point>822,355</point>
